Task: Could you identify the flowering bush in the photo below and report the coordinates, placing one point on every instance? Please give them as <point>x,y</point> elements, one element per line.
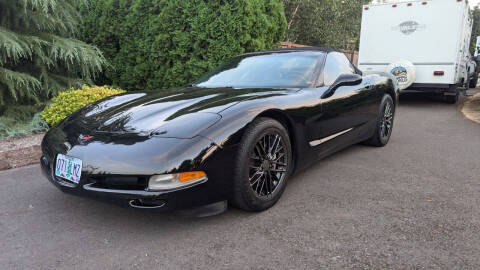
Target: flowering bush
<point>70,101</point>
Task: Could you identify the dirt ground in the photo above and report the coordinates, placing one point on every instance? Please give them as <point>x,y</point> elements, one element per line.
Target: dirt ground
<point>20,152</point>
<point>471,108</point>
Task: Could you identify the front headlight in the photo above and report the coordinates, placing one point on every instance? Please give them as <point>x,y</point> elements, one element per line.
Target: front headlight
<point>175,181</point>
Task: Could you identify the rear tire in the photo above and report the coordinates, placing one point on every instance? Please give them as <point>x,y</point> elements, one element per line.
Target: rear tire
<point>262,166</point>
<point>384,125</point>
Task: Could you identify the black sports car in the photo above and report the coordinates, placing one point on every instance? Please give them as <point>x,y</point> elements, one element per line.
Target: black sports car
<point>236,135</point>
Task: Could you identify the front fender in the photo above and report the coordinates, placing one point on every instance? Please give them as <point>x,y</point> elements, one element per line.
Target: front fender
<point>229,130</point>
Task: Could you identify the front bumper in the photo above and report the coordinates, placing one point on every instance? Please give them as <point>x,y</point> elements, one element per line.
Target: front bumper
<point>132,155</point>
<point>198,194</point>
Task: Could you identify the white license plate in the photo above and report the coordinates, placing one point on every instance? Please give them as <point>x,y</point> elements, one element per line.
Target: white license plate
<point>69,168</point>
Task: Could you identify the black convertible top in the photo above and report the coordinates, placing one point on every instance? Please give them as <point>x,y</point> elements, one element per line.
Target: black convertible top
<point>302,49</point>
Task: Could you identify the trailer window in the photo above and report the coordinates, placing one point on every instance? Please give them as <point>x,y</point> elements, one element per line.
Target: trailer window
<point>336,65</point>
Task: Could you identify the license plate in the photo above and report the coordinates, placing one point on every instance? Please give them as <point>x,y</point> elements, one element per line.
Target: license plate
<point>69,168</point>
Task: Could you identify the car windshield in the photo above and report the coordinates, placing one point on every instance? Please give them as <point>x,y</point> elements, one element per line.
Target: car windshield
<point>278,70</point>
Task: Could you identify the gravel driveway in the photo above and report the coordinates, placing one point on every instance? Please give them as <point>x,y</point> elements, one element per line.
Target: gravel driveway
<point>413,204</point>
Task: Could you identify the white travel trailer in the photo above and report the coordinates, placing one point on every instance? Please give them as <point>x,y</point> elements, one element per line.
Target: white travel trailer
<point>424,44</point>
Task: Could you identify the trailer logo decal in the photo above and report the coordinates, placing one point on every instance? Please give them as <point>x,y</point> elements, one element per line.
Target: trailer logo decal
<point>409,27</point>
<point>400,74</point>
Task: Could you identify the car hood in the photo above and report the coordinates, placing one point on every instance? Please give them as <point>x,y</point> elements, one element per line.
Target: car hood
<point>180,113</point>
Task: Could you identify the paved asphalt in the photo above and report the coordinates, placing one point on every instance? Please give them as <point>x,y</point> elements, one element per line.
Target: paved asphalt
<point>413,204</point>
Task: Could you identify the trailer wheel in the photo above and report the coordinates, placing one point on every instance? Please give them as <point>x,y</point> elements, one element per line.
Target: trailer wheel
<point>473,81</point>
<point>451,99</point>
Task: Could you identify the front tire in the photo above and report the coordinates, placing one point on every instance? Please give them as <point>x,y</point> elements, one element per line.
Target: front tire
<point>262,166</point>
<point>384,125</point>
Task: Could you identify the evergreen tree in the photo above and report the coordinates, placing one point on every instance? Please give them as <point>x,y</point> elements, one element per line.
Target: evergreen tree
<point>330,23</point>
<point>154,44</point>
<point>39,54</point>
<point>476,29</point>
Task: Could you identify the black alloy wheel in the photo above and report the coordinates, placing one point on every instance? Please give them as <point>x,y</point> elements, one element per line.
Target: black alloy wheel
<point>386,124</point>
<point>268,164</point>
<point>263,165</point>
<point>384,127</point>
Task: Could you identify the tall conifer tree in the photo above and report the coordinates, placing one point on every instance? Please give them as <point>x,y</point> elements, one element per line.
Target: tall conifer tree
<point>39,54</point>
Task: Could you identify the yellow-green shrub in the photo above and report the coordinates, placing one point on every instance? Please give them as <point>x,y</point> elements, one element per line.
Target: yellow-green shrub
<point>70,101</point>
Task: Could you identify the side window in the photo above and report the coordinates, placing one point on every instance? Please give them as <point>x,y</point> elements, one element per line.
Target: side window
<point>336,65</point>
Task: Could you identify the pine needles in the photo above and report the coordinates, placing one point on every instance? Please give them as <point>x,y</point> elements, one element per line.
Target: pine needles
<point>39,55</point>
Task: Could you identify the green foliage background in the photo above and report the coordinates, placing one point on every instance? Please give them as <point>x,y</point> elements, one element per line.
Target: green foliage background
<point>39,55</point>
<point>20,120</point>
<point>329,23</point>
<point>475,29</point>
<point>153,44</point>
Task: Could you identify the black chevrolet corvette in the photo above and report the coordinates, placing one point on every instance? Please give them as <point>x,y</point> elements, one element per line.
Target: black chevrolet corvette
<point>237,135</point>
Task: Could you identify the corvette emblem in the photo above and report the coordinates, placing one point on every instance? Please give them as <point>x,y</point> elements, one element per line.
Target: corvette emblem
<point>84,138</point>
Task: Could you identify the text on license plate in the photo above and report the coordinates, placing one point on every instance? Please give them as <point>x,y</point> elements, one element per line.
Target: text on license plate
<point>69,168</point>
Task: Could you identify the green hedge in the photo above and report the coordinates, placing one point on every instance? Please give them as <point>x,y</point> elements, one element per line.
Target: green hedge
<point>153,44</point>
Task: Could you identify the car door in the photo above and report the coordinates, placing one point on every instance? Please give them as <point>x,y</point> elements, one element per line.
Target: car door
<point>348,108</point>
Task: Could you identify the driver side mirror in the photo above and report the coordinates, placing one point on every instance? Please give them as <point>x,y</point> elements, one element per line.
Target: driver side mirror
<point>343,80</point>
